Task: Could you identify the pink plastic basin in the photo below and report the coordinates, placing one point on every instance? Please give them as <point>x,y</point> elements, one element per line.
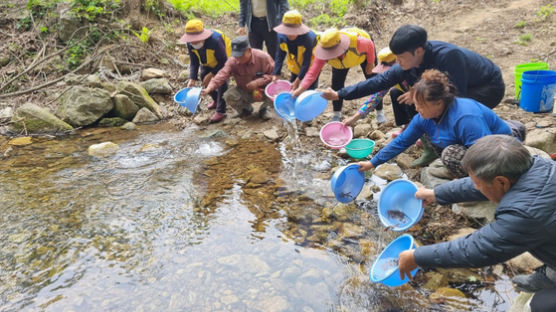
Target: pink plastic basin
<point>335,135</point>
<point>274,88</point>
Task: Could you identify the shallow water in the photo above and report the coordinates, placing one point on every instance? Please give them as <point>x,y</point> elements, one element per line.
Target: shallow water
<point>175,222</point>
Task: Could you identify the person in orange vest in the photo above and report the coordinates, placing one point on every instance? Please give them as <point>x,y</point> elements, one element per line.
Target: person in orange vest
<point>210,50</point>
<point>296,42</point>
<point>342,49</point>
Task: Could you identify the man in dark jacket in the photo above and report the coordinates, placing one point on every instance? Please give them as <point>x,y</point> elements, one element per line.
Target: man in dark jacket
<point>260,17</point>
<point>474,76</point>
<point>500,170</point>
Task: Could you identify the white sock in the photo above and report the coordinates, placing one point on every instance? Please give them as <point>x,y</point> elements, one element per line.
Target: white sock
<point>337,114</point>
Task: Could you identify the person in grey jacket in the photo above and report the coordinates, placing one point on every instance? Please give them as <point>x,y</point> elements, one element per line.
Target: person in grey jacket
<point>260,17</point>
<point>501,170</point>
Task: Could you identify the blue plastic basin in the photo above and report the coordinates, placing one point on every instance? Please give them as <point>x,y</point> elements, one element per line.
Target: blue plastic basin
<point>347,183</point>
<point>398,208</point>
<point>385,268</point>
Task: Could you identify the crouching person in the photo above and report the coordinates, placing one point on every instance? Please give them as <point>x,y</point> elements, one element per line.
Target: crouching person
<point>500,170</point>
<point>252,71</point>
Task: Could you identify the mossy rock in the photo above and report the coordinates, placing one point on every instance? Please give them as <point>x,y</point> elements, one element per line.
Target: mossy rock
<point>112,122</point>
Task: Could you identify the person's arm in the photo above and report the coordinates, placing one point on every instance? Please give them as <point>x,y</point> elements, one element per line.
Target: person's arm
<point>367,47</point>
<point>372,85</point>
<point>453,63</point>
<point>222,76</point>
<point>371,104</point>
<point>510,235</point>
<point>408,137</point>
<point>312,73</point>
<point>307,55</point>
<point>220,54</point>
<point>457,191</point>
<point>193,64</point>
<point>267,69</point>
<point>243,12</point>
<point>279,58</point>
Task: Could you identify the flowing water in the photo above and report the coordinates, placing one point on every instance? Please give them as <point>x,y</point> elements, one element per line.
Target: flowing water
<point>179,222</point>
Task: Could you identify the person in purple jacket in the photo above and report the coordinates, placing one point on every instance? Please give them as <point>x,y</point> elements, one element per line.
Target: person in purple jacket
<point>448,123</point>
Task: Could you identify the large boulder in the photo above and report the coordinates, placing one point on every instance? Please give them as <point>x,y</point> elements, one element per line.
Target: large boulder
<point>389,172</point>
<point>71,26</point>
<point>544,139</point>
<point>476,210</point>
<point>124,107</point>
<point>150,73</point>
<point>139,96</point>
<point>429,180</point>
<point>157,86</point>
<point>81,106</point>
<point>144,115</point>
<point>37,119</point>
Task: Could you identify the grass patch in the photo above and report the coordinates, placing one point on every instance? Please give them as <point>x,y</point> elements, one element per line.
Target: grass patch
<point>212,8</point>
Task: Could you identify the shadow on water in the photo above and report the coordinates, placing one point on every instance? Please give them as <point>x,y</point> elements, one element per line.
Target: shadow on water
<point>176,222</point>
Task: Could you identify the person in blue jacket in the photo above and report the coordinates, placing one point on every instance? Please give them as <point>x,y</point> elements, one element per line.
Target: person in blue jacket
<point>500,170</point>
<point>296,42</point>
<point>473,75</point>
<point>448,123</point>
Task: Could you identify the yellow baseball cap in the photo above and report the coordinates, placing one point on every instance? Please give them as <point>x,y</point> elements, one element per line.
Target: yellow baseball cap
<point>332,44</point>
<point>195,31</point>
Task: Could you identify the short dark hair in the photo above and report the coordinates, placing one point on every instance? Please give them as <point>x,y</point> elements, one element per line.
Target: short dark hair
<point>497,155</point>
<point>407,38</point>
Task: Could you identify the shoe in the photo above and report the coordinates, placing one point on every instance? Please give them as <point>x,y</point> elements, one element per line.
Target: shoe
<point>244,112</point>
<point>336,118</point>
<point>264,114</point>
<point>380,118</point>
<point>428,156</point>
<point>217,117</point>
<point>419,143</point>
<point>536,281</point>
<point>212,105</point>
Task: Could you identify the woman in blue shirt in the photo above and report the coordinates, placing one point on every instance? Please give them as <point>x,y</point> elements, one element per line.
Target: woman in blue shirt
<point>451,124</point>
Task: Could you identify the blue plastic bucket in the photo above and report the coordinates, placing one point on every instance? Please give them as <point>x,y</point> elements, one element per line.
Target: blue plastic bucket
<point>189,98</point>
<point>385,268</point>
<point>284,105</point>
<point>537,90</point>
<point>309,105</point>
<point>518,71</point>
<point>398,208</point>
<point>347,182</point>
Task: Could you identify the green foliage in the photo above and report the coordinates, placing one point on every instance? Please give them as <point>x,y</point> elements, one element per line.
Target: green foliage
<point>44,29</point>
<point>327,21</point>
<point>153,6</point>
<point>340,7</point>
<point>91,9</point>
<point>545,11</point>
<point>24,23</point>
<point>75,54</point>
<point>212,8</point>
<point>520,24</point>
<point>145,34</point>
<point>301,4</point>
<point>39,8</point>
<point>524,39</point>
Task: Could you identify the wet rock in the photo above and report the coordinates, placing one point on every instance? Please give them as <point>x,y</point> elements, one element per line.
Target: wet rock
<point>274,304</point>
<point>81,106</point>
<point>201,119</point>
<point>524,262</point>
<point>388,172</point>
<point>362,130</point>
<point>214,134</point>
<point>103,149</point>
<point>150,73</point>
<point>461,233</point>
<point>535,151</point>
<point>344,211</point>
<point>377,135</point>
<point>478,210</point>
<point>257,176</point>
<point>149,147</point>
<point>139,96</point>
<point>272,135</point>
<point>366,193</point>
<point>404,161</point>
<point>37,119</point>
<point>144,115</point>
<point>443,294</point>
<point>435,280</point>
<point>124,107</point>
<point>521,302</point>
<point>157,86</point>
<point>112,122</point>
<point>312,132</point>
<point>544,139</point>
<point>129,126</point>
<point>20,141</point>
<point>348,230</point>
<point>459,275</point>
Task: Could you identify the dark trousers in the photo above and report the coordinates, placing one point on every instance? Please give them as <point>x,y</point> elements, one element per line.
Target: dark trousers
<point>489,94</point>
<point>338,81</point>
<point>312,87</point>
<point>259,33</point>
<point>216,95</point>
<point>544,300</point>
<point>403,113</point>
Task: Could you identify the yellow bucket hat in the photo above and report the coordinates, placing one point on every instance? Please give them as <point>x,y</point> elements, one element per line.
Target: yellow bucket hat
<point>332,44</point>
<point>291,24</point>
<point>386,58</point>
<point>195,31</point>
